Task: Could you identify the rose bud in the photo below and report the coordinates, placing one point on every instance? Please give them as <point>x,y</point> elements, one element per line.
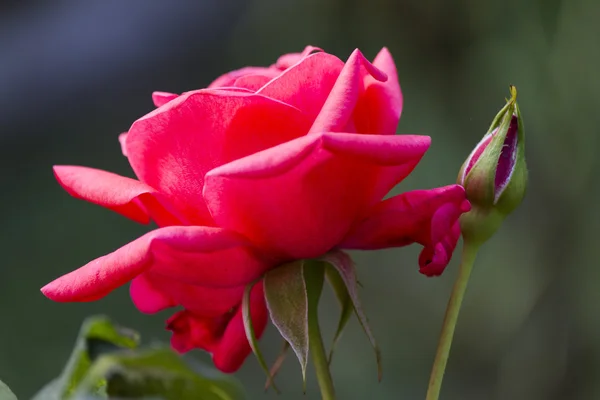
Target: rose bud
<point>495,174</point>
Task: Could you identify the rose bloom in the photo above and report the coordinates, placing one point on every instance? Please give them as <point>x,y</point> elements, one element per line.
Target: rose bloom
<point>265,166</point>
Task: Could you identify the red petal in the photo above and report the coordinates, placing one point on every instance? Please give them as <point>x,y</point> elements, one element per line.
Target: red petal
<point>123,142</point>
<point>379,107</point>
<point>251,82</point>
<point>300,198</point>
<point>147,295</point>
<point>152,292</point>
<point>173,147</point>
<point>337,110</point>
<point>229,78</point>
<point>190,331</point>
<point>223,336</point>
<point>126,196</point>
<point>287,60</point>
<point>307,84</point>
<point>427,217</point>
<point>192,254</point>
<point>162,98</point>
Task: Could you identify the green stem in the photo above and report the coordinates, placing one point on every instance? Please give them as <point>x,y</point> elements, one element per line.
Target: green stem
<point>452,309</point>
<point>319,357</point>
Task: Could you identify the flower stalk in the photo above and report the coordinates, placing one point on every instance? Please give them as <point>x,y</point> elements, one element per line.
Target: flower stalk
<point>319,357</point>
<point>469,254</point>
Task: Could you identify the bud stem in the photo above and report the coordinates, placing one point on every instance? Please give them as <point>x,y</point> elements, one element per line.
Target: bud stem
<point>452,309</point>
<point>319,356</point>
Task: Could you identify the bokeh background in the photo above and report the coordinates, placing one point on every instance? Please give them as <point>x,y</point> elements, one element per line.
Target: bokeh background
<point>73,75</point>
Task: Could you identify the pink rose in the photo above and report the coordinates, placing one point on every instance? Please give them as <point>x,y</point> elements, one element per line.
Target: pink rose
<point>265,166</point>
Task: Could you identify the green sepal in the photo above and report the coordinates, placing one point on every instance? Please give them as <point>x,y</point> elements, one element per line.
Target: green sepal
<point>291,291</point>
<point>344,265</point>
<point>341,293</point>
<point>251,336</point>
<point>278,363</point>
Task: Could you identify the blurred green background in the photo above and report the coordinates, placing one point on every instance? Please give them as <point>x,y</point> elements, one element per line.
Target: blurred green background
<point>73,75</point>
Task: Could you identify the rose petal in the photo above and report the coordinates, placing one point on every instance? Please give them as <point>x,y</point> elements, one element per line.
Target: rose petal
<point>223,336</point>
<point>508,158</point>
<point>162,98</point>
<point>173,147</point>
<point>427,217</point>
<point>153,292</point>
<point>192,254</point>
<point>379,107</point>
<point>251,82</point>
<point>287,60</point>
<point>147,296</point>
<point>128,197</point>
<point>300,198</point>
<point>337,110</point>
<point>229,78</point>
<point>433,260</point>
<point>191,331</point>
<point>307,84</point>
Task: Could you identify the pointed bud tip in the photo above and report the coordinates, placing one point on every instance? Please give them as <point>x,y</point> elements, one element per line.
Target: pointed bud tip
<point>513,93</point>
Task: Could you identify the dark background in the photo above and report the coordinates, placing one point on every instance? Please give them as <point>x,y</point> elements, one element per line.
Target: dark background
<point>75,74</point>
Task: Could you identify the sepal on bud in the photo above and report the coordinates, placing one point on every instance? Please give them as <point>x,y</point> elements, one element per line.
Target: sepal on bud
<point>495,174</point>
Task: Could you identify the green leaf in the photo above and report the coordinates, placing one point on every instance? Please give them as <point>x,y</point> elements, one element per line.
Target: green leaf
<point>6,393</point>
<point>156,373</point>
<point>278,363</point>
<point>345,267</point>
<point>341,292</point>
<point>289,292</point>
<point>98,335</point>
<point>251,336</point>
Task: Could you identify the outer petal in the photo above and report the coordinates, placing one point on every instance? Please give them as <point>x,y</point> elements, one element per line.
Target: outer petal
<point>287,60</point>
<point>196,254</point>
<point>434,259</point>
<point>191,331</point>
<point>229,78</point>
<point>147,295</point>
<point>379,107</point>
<point>307,84</point>
<point>339,107</point>
<point>123,143</point>
<point>284,62</point>
<point>299,199</point>
<point>126,196</point>
<point>428,217</point>
<point>251,82</point>
<point>162,98</point>
<point>224,336</point>
<point>153,292</point>
<point>173,147</point>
